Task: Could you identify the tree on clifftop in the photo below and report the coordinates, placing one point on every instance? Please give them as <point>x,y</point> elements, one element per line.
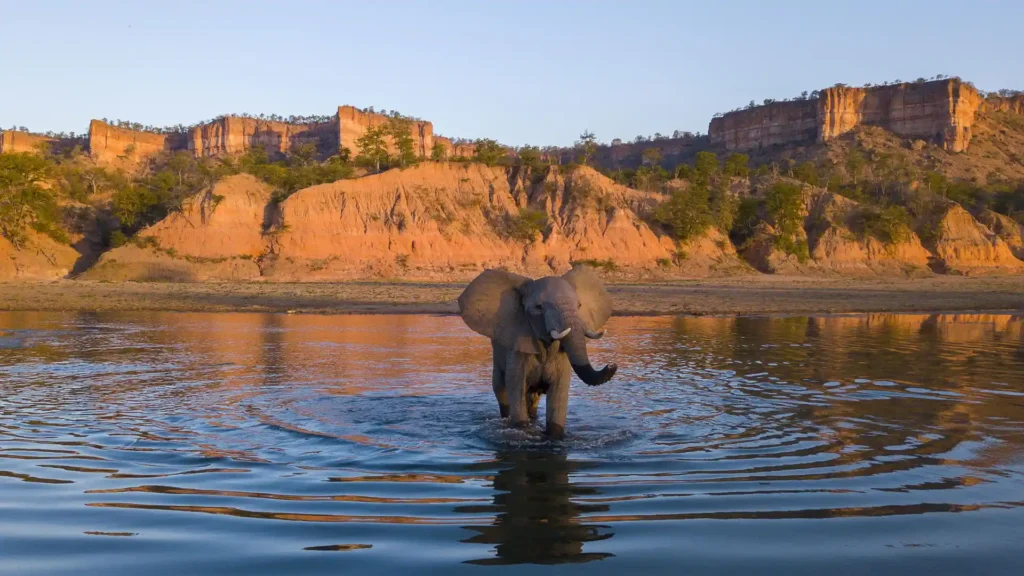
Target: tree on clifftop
<point>587,145</point>
<point>400,131</point>
<point>373,149</point>
<point>439,153</point>
<point>651,157</point>
<point>488,151</point>
<point>529,156</point>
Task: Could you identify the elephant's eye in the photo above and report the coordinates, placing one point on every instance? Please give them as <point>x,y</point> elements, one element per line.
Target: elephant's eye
<point>538,307</point>
<point>579,304</point>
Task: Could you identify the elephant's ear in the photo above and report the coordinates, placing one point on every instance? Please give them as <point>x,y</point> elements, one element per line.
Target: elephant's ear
<point>492,305</point>
<point>595,304</point>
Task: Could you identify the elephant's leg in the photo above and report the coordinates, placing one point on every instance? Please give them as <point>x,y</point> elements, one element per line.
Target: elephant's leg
<point>515,389</point>
<point>558,401</point>
<point>533,400</point>
<point>498,383</point>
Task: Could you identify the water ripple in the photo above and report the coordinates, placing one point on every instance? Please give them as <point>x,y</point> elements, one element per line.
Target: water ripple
<point>190,437</point>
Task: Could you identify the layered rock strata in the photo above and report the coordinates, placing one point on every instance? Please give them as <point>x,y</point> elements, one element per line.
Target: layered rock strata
<point>942,111</point>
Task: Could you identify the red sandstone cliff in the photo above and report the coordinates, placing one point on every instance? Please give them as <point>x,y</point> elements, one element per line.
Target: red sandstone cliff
<point>217,235</point>
<point>942,111</point>
<point>453,150</point>
<point>434,220</point>
<point>237,135</point>
<point>109,144</point>
<point>353,123</point>
<point>12,141</point>
<point>963,245</point>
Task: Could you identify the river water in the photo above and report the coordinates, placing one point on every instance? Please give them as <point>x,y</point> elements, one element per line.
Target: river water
<point>170,443</point>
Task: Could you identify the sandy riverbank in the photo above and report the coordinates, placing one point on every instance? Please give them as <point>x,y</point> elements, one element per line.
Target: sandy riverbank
<point>747,295</point>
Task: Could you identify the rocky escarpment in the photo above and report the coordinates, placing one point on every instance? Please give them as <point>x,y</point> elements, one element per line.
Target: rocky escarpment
<point>455,149</point>
<point>38,257</point>
<point>235,135</point>
<point>442,221</point>
<point>962,245</point>
<point>12,141</point>
<point>454,221</point>
<point>217,235</point>
<point>1013,104</point>
<point>838,242</point>
<point>351,123</point>
<point>942,111</point>
<point>111,145</point>
<point>1007,229</point>
<point>432,221</point>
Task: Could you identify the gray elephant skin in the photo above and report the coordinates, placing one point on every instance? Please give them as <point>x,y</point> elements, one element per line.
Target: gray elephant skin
<point>538,331</point>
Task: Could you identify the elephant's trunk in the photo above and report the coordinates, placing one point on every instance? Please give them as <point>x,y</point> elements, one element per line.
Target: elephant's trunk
<point>575,346</point>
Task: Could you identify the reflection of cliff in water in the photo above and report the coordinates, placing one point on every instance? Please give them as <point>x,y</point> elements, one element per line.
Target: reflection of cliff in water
<point>537,517</point>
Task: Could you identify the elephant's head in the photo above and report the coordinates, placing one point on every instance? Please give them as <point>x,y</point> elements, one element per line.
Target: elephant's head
<point>524,314</point>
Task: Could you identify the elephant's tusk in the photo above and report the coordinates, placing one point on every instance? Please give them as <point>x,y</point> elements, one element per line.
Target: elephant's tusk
<point>556,335</point>
<point>595,335</point>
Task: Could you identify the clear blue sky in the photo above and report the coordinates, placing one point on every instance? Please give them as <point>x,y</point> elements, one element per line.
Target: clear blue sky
<point>515,70</point>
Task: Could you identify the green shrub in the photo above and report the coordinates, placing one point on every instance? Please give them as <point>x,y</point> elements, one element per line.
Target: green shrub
<point>526,225</point>
<point>724,209</point>
<point>608,265</point>
<point>747,217</point>
<point>117,239</point>
<point>686,213</point>
<point>890,225</point>
<point>684,172</point>
<point>793,246</point>
<point>24,201</point>
<point>146,242</point>
<point>784,203</point>
<point>736,165</point>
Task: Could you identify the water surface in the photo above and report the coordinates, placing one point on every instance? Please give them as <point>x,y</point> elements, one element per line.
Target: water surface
<point>165,443</point>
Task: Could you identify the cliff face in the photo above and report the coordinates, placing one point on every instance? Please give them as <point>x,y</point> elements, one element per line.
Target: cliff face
<point>110,145</point>
<point>217,235</point>
<point>12,141</point>
<point>956,243</point>
<point>1005,228</point>
<point>1014,104</point>
<point>235,135</point>
<point>963,245</point>
<point>353,123</point>
<point>452,150</point>
<point>442,220</point>
<point>432,221</point>
<point>40,258</point>
<point>942,111</point>
<point>764,126</point>
<point>836,247</point>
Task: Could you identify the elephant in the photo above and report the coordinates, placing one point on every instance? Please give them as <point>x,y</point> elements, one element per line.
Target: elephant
<point>538,330</point>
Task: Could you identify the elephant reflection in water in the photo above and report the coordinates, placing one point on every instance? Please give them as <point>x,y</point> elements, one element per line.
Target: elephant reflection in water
<point>537,520</point>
